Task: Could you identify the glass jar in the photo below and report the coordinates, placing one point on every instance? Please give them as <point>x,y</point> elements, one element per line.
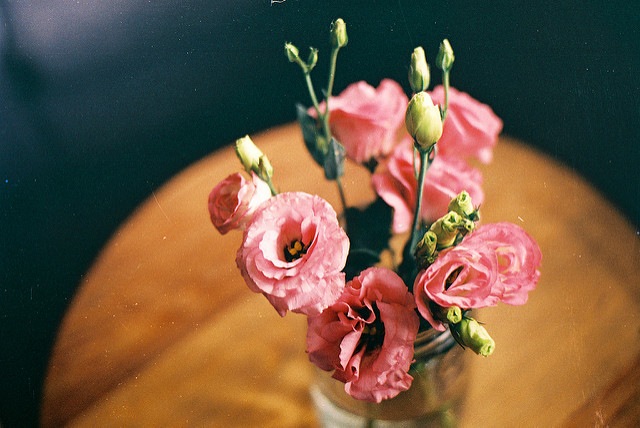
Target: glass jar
<point>434,399</point>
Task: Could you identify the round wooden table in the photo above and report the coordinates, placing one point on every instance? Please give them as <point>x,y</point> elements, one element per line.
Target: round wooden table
<point>163,331</point>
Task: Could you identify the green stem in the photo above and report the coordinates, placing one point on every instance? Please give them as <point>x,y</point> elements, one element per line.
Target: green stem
<point>271,187</point>
<point>341,191</point>
<point>415,227</point>
<point>332,74</point>
<point>325,117</point>
<point>312,93</point>
<point>445,83</point>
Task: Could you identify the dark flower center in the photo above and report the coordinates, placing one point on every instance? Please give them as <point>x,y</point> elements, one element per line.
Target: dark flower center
<point>452,277</point>
<point>295,250</point>
<point>372,336</point>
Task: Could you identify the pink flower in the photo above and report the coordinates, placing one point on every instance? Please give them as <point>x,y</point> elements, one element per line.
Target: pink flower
<point>367,336</point>
<point>496,263</point>
<point>293,251</point>
<point>395,182</point>
<point>233,201</point>
<point>518,255</point>
<point>471,128</point>
<point>368,121</point>
<point>463,277</point>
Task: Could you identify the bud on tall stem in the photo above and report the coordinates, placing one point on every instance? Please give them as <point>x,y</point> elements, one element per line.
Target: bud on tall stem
<point>419,71</point>
<point>339,33</point>
<point>423,121</point>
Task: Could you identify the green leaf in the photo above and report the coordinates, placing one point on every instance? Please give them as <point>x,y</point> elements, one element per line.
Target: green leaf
<point>334,160</point>
<point>311,135</point>
<point>369,230</point>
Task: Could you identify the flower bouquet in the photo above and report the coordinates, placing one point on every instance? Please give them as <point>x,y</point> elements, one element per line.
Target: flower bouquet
<point>369,321</point>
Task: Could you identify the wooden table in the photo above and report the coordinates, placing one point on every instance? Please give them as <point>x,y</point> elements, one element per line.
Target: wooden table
<point>163,331</point>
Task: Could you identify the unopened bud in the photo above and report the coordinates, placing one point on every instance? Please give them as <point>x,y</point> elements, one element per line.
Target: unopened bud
<point>339,33</point>
<point>423,121</point>
<point>419,71</point>
<point>454,315</point>
<point>445,57</point>
<point>446,229</point>
<point>468,332</point>
<point>252,158</point>
<point>426,249</point>
<point>313,58</point>
<point>292,52</point>
<point>463,205</point>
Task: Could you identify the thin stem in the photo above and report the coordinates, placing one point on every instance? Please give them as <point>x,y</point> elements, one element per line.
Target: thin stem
<point>445,83</point>
<point>312,93</point>
<point>424,165</point>
<point>325,117</point>
<point>341,191</point>
<point>274,192</point>
<point>332,75</point>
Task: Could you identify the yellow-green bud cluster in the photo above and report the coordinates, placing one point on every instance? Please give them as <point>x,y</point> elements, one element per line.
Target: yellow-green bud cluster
<point>448,227</point>
<point>463,205</point>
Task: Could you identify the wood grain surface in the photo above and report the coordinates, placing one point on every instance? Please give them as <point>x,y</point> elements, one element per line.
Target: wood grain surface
<point>163,331</point>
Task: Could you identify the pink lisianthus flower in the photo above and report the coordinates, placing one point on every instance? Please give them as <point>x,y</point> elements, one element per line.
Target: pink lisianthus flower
<point>518,256</point>
<point>368,121</point>
<point>293,251</point>
<point>471,128</point>
<point>233,201</point>
<point>495,263</point>
<point>395,182</point>
<point>367,336</point>
<point>463,277</point>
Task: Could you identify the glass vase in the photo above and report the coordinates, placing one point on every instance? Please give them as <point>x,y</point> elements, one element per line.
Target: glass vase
<point>434,399</point>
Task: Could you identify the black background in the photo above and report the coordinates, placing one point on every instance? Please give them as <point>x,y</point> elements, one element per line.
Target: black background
<point>103,101</point>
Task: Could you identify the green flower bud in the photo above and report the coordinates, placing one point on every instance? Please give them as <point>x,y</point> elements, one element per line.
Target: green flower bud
<point>253,159</point>
<point>467,225</point>
<point>445,57</point>
<point>446,229</point>
<point>468,332</point>
<point>313,58</point>
<point>423,121</point>
<point>292,52</point>
<point>419,71</point>
<point>463,205</point>
<point>454,315</point>
<point>339,37</point>
<point>425,252</point>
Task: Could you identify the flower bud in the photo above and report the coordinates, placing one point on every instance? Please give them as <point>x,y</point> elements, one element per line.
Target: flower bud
<point>423,121</point>
<point>253,159</point>
<point>425,252</point>
<point>445,57</point>
<point>313,58</point>
<point>463,205</point>
<point>454,315</point>
<point>292,52</point>
<point>419,71</point>
<point>468,332</point>
<point>446,229</point>
<point>339,37</point>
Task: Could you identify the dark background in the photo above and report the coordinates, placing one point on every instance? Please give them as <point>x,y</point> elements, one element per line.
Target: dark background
<point>103,101</point>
